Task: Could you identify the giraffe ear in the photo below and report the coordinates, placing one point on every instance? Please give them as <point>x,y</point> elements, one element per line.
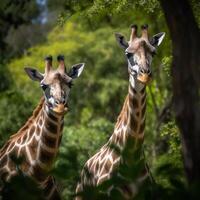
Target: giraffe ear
<point>76,70</point>
<point>157,39</point>
<point>121,40</point>
<point>34,74</point>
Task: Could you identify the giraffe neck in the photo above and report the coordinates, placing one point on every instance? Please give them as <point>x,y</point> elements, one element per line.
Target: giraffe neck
<point>49,132</point>
<point>131,121</point>
<point>136,107</point>
<point>37,142</point>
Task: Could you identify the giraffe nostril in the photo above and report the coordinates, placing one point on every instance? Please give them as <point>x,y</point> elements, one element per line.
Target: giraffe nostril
<point>148,71</point>
<point>62,101</point>
<point>145,71</point>
<point>142,71</point>
<point>57,102</point>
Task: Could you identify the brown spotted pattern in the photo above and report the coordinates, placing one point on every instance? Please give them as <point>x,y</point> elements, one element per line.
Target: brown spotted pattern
<point>37,143</point>
<point>130,126</point>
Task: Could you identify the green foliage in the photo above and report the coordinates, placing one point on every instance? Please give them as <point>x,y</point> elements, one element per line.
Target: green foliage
<point>170,157</point>
<point>98,10</point>
<point>170,132</point>
<point>16,45</point>
<point>195,4</point>
<point>13,13</point>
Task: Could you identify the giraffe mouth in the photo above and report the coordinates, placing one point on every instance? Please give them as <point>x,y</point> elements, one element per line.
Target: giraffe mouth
<point>144,78</point>
<point>60,109</point>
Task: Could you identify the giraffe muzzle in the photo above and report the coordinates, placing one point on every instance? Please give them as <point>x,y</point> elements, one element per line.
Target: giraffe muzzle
<point>144,76</point>
<point>60,108</point>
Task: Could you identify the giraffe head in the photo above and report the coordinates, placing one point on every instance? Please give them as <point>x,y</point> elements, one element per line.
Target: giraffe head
<point>56,83</point>
<point>139,52</point>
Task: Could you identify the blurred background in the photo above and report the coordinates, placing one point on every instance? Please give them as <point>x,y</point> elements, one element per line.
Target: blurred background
<point>83,31</point>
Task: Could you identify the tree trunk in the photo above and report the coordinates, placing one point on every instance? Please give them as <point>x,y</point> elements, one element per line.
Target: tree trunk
<point>185,37</point>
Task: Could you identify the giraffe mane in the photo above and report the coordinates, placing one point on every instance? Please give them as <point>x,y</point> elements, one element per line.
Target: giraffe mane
<point>29,121</point>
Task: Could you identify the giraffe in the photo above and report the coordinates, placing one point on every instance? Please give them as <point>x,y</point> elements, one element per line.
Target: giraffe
<point>130,124</point>
<point>37,142</point>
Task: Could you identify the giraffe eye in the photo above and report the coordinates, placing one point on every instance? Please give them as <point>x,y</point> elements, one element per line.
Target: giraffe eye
<point>43,86</point>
